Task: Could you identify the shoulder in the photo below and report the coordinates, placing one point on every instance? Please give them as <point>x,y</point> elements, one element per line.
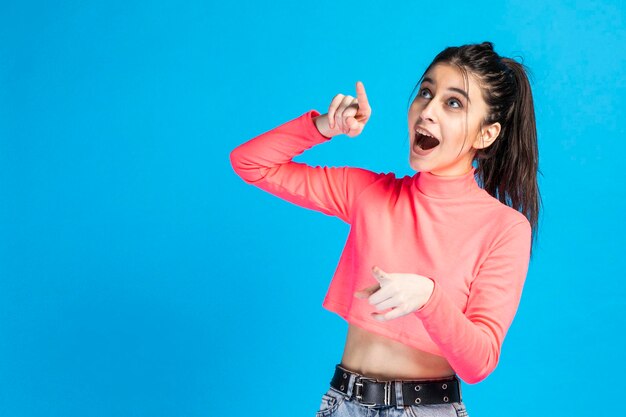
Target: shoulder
<point>504,220</point>
<point>500,211</point>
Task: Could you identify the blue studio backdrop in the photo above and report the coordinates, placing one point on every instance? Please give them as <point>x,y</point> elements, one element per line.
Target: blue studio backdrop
<point>140,276</point>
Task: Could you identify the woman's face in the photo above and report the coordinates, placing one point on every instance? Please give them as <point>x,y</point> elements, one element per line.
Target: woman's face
<point>452,115</point>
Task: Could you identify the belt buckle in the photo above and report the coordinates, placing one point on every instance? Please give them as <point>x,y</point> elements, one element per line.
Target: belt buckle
<point>357,393</point>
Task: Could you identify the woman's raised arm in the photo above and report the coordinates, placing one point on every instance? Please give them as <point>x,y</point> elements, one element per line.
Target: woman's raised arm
<point>266,160</point>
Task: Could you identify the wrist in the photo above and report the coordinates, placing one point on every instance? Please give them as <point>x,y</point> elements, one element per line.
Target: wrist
<point>321,123</point>
<point>430,292</point>
<point>435,295</point>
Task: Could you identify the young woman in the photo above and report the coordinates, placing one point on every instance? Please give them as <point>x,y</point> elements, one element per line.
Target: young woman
<point>434,264</point>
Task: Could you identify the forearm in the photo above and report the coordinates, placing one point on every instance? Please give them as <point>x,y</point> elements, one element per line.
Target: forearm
<point>254,158</point>
<point>471,350</point>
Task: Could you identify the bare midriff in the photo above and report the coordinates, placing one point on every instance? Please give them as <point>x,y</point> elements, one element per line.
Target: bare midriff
<point>379,357</point>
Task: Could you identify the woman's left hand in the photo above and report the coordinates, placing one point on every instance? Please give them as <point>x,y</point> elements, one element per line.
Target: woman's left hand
<point>403,293</point>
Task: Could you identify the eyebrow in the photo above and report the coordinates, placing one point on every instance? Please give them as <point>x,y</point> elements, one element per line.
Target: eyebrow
<point>458,90</point>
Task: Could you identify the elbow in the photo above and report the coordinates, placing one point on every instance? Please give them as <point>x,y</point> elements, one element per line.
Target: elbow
<point>478,373</point>
<point>474,378</point>
<point>242,166</point>
<point>235,160</point>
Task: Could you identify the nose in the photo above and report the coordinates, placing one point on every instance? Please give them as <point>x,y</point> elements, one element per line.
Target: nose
<point>427,112</point>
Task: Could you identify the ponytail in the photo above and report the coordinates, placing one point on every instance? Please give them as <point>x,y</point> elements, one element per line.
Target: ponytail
<point>509,170</point>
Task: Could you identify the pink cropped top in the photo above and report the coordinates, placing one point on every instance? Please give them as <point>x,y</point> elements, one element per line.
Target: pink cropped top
<point>474,248</point>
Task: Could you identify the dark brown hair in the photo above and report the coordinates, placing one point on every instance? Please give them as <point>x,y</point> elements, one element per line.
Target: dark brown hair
<point>508,167</point>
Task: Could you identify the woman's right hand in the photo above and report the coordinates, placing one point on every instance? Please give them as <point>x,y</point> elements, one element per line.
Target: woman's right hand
<point>346,114</point>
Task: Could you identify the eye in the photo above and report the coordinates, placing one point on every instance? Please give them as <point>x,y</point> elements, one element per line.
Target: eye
<point>422,91</point>
<point>454,100</point>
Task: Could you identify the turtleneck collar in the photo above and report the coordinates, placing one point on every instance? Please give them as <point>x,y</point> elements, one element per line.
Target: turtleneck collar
<point>446,187</point>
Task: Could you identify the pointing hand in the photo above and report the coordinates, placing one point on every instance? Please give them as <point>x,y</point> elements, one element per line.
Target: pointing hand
<point>346,114</point>
<point>402,293</point>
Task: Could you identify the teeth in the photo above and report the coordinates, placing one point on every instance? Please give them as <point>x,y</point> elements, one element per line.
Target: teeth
<point>426,141</point>
<point>423,132</point>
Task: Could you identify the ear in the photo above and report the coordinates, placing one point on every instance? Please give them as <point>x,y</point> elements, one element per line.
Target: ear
<point>487,135</point>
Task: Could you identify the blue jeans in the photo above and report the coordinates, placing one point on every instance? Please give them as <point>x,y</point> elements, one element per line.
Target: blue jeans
<point>336,404</point>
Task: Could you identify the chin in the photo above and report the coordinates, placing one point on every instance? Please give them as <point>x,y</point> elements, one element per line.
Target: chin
<point>417,165</point>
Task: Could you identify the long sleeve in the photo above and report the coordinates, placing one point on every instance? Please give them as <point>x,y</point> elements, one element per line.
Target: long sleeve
<point>471,341</point>
<point>266,162</point>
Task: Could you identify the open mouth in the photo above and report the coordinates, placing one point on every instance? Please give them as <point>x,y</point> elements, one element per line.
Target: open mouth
<point>423,142</point>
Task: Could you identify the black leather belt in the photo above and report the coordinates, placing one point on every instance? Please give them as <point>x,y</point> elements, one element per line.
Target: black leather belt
<point>372,392</point>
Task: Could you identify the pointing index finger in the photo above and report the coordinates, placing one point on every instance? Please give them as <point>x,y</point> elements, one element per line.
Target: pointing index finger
<point>379,274</point>
<point>361,96</point>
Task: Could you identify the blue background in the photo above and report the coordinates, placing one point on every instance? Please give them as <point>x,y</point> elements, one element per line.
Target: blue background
<point>139,276</point>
